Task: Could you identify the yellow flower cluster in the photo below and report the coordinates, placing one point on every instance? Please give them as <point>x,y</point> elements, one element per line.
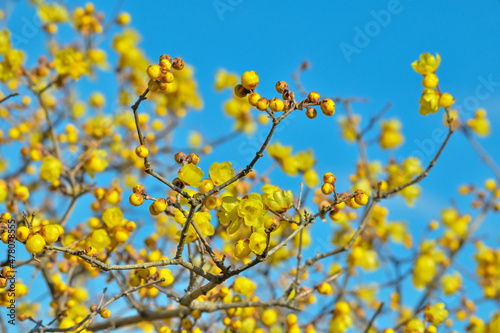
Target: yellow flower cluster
<point>432,99</point>
<point>401,174</point>
<point>87,20</point>
<point>488,269</point>
<point>480,124</point>
<point>342,318</point>
<point>70,62</point>
<point>391,136</point>
<point>426,264</point>
<point>302,162</point>
<point>10,66</point>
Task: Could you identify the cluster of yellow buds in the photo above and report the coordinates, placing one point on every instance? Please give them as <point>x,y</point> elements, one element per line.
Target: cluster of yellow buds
<point>488,268</point>
<point>34,237</point>
<point>480,124</point>
<point>432,99</point>
<point>161,75</point>
<point>87,20</point>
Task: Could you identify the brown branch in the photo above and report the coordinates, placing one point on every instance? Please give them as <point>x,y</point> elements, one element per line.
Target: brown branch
<point>8,96</point>
<point>372,320</point>
<point>425,173</point>
<point>109,267</point>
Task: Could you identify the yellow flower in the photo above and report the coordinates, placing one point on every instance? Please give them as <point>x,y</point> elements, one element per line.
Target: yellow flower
<point>224,80</point>
<point>99,239</point>
<point>451,283</point>
<point>97,57</point>
<point>425,269</point>
<point>51,169</point>
<point>112,217</point>
<point>244,286</point>
<point>311,178</point>
<point>221,172</point>
<point>278,201</point>
<point>480,124</point>
<point>278,151</point>
<point>229,214</point>
<point>349,127</point>
<point>391,136</point>
<point>364,258</point>
<point>4,41</point>
<point>258,243</point>
<point>252,210</point>
<point>415,325</point>
<point>427,63</point>
<point>290,165</point>
<point>3,190</point>
<point>436,314</point>
<point>96,162</point>
<point>70,62</point>
<point>190,174</point>
<point>305,160</point>
<point>429,102</point>
<point>202,220</point>
<point>242,249</point>
<point>341,320</point>
<point>52,13</point>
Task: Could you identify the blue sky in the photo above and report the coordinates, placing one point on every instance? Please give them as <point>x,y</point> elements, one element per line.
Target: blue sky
<point>384,38</point>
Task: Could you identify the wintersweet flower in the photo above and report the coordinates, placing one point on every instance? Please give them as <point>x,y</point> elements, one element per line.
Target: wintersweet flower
<point>341,320</point>
<point>112,217</point>
<point>52,13</point>
<point>290,165</point>
<point>99,239</point>
<point>305,160</point>
<point>4,41</point>
<point>221,172</point>
<point>70,62</point>
<point>278,201</point>
<point>391,136</point>
<point>190,175</point>
<point>451,283</point>
<point>242,249</point>
<point>426,64</point>
<point>223,80</point>
<point>278,151</point>
<point>436,314</point>
<point>429,102</point>
<point>51,169</point>
<point>311,178</point>
<point>415,325</point>
<point>244,286</point>
<point>252,210</point>
<point>425,269</point>
<point>258,243</point>
<point>96,162</point>
<point>202,220</point>
<point>480,124</point>
<point>228,215</point>
<point>3,190</point>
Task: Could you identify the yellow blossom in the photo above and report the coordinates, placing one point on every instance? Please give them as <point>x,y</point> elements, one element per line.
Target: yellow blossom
<point>191,175</point>
<point>278,201</point>
<point>429,102</point>
<point>221,172</point>
<point>51,169</point>
<point>426,64</point>
<point>112,217</point>
<point>244,286</point>
<point>70,62</point>
<point>258,243</point>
